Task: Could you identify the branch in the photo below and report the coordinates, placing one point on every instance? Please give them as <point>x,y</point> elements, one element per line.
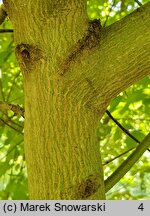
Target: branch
<point>127,164</point>
<point>122,57</point>
<point>131,60</point>
<point>3,14</point>
<point>11,107</point>
<point>127,47</point>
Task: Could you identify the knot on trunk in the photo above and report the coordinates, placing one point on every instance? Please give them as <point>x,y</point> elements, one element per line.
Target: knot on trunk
<point>28,56</point>
<point>88,187</point>
<point>84,189</point>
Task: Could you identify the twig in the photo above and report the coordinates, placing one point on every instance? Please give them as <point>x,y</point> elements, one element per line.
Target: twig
<point>6,123</point>
<point>12,107</point>
<point>138,2</point>
<point>123,129</point>
<point>127,164</point>
<point>11,150</point>
<point>114,2</point>
<point>6,30</point>
<point>1,90</point>
<point>13,83</point>
<point>108,161</point>
<point>10,120</point>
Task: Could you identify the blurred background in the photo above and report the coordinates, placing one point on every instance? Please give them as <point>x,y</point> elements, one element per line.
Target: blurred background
<point>130,108</point>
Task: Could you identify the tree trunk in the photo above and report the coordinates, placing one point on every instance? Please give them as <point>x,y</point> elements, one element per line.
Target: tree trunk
<point>72,68</point>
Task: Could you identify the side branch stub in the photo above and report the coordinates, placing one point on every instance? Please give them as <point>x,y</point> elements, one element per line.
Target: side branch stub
<point>89,41</point>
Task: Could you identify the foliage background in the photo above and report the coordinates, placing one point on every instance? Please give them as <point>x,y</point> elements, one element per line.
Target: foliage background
<point>130,108</point>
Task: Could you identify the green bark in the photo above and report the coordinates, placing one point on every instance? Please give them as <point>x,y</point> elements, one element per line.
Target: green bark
<point>70,76</point>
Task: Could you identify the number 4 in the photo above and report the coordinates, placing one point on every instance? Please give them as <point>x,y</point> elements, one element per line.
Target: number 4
<point>141,207</point>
